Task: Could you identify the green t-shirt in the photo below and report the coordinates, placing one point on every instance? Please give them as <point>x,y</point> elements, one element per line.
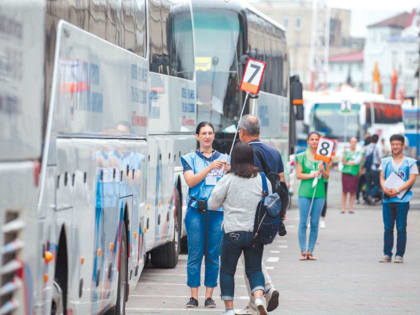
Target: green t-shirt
<point>305,188</point>
<point>352,156</point>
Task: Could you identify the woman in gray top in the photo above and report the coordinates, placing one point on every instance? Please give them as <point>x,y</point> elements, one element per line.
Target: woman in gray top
<point>239,193</point>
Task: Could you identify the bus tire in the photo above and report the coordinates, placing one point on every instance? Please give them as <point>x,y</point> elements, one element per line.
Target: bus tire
<point>166,256</point>
<point>122,274</point>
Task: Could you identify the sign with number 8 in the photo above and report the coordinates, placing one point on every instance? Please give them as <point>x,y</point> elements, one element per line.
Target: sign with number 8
<point>324,150</point>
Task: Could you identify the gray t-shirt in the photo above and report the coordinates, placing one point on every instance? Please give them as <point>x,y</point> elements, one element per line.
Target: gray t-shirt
<point>239,197</point>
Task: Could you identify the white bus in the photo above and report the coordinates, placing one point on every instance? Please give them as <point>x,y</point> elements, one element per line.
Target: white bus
<point>102,95</point>
<point>342,115</point>
<point>21,111</point>
<point>226,34</point>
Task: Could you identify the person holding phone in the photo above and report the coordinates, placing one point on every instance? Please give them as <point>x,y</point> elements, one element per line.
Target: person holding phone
<point>203,168</point>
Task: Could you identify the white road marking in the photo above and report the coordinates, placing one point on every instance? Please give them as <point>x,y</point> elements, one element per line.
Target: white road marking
<point>269,268</point>
<point>272,259</point>
<point>274,251</point>
<point>176,296</point>
<point>195,310</point>
<point>144,283</point>
<point>283,246</point>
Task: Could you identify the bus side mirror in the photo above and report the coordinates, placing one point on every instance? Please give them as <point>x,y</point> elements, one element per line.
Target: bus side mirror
<point>296,99</point>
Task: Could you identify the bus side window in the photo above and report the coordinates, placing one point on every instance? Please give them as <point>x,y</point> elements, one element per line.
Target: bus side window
<point>155,34</point>
<point>134,22</point>
<point>179,40</point>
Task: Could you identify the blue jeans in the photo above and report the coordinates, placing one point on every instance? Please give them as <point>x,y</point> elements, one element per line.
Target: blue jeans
<point>391,213</point>
<point>304,210</point>
<point>204,235</point>
<point>234,243</point>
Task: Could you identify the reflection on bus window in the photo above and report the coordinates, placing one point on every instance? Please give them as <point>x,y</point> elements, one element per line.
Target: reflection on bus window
<point>329,120</point>
<point>216,38</point>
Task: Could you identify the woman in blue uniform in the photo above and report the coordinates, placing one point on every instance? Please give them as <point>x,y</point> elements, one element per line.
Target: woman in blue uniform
<point>202,170</point>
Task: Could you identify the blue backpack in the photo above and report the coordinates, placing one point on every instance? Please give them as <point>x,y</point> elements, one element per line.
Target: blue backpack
<point>268,216</point>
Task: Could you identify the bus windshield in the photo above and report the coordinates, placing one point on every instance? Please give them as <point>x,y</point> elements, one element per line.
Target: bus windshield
<point>216,39</point>
<point>329,120</point>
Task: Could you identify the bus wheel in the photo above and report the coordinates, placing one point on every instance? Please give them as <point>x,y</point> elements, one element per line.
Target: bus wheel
<point>166,256</point>
<point>57,307</point>
<point>122,274</point>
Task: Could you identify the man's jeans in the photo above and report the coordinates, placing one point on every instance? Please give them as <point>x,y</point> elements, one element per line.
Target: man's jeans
<point>395,212</point>
<point>204,234</point>
<point>234,243</point>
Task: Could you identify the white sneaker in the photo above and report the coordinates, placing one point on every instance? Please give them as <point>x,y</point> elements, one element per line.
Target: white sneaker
<point>248,310</point>
<point>260,303</point>
<point>229,312</point>
<point>322,224</point>
<point>272,299</point>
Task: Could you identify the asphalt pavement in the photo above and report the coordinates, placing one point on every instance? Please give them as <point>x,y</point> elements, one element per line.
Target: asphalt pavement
<point>346,279</point>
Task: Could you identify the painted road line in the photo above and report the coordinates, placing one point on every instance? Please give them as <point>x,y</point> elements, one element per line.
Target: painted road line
<point>244,297</point>
<point>283,246</point>
<point>274,251</point>
<point>144,283</point>
<point>272,259</point>
<point>269,267</point>
<point>155,309</point>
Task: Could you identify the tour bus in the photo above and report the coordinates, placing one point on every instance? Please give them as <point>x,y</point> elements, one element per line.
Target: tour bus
<point>226,35</point>
<point>342,115</point>
<point>101,95</point>
<point>20,150</point>
<point>411,117</point>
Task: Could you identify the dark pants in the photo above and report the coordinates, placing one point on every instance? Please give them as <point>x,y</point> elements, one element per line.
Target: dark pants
<point>324,209</point>
<point>372,183</point>
<point>395,213</point>
<point>234,243</point>
<point>362,181</point>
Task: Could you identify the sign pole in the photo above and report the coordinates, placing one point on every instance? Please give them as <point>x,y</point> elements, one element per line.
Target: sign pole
<point>240,117</point>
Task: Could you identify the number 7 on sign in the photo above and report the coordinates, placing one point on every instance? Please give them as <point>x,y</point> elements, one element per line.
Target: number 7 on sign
<point>254,72</point>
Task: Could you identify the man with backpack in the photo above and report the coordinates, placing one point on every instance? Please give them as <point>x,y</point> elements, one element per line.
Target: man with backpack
<point>268,160</point>
<point>371,165</point>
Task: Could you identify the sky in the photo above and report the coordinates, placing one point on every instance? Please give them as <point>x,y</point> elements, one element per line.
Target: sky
<point>366,12</point>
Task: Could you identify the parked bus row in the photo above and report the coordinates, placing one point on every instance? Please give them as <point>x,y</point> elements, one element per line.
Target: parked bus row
<point>98,102</point>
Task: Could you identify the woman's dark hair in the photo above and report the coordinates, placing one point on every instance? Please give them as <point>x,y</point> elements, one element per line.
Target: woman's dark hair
<point>243,161</point>
<point>313,133</point>
<point>397,137</point>
<point>201,125</point>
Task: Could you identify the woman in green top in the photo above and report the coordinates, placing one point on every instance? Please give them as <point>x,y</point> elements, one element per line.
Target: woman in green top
<point>312,174</point>
<point>350,174</point>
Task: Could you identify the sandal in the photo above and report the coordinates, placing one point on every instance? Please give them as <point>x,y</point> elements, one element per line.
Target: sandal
<point>343,211</point>
<point>311,257</point>
<point>303,256</point>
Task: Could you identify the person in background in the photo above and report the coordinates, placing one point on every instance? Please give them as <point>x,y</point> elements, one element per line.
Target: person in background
<point>311,195</point>
<point>396,201</point>
<point>372,163</point>
<point>202,170</point>
<point>352,159</point>
<point>239,192</point>
<point>385,149</point>
<point>361,185</point>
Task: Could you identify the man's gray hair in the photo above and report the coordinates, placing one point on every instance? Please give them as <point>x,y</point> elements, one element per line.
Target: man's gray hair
<point>250,124</point>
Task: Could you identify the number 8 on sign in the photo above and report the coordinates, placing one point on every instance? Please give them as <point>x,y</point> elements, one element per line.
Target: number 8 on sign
<point>324,150</point>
